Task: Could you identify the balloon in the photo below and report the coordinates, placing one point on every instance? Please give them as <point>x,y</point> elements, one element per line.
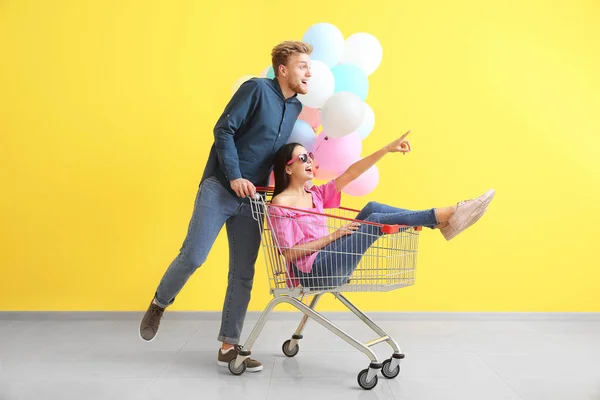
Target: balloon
<point>327,41</point>
<point>342,114</point>
<point>264,72</point>
<point>350,78</point>
<point>240,81</point>
<point>304,134</point>
<point>268,72</point>
<point>364,184</point>
<point>272,179</point>
<point>312,116</point>
<point>324,175</point>
<point>320,85</point>
<point>368,123</point>
<point>337,154</point>
<point>364,51</point>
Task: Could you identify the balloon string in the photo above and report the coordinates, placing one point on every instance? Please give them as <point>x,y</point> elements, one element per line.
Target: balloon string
<point>317,149</point>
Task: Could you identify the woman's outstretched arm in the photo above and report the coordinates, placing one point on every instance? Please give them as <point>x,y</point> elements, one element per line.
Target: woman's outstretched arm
<point>400,145</point>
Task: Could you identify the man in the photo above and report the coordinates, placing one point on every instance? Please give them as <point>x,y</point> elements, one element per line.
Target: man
<point>257,121</point>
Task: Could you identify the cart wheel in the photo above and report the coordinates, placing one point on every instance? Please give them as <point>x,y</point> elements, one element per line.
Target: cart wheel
<point>362,380</point>
<point>387,372</point>
<point>290,352</point>
<point>239,370</point>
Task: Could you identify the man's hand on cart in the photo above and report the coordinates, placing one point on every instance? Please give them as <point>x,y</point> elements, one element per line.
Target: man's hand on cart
<point>347,229</point>
<point>243,187</point>
<point>400,145</point>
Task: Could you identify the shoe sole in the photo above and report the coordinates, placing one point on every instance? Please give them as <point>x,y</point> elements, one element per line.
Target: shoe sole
<point>477,213</point>
<point>253,369</point>
<point>140,331</point>
<point>147,341</point>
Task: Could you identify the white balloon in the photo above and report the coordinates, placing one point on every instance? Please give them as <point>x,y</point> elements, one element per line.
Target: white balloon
<point>342,114</point>
<point>320,85</point>
<point>327,41</point>
<point>239,82</point>
<point>264,72</point>
<point>368,123</point>
<point>364,51</point>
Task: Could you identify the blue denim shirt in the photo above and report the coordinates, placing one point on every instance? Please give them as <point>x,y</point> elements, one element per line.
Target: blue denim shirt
<point>256,122</point>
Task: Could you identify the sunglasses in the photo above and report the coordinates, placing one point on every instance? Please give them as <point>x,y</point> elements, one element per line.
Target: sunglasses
<point>302,157</point>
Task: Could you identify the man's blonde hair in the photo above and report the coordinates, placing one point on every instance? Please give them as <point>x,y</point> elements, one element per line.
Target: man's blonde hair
<point>284,50</point>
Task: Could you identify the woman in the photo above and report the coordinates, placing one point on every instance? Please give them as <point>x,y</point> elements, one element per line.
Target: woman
<point>319,259</point>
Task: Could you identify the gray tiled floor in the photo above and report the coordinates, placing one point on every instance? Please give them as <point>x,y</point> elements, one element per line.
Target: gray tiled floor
<point>463,358</point>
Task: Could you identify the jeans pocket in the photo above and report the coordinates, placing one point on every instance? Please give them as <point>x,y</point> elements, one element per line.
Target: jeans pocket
<point>209,189</point>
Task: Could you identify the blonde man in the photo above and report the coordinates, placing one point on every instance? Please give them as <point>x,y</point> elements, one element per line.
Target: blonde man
<point>257,121</point>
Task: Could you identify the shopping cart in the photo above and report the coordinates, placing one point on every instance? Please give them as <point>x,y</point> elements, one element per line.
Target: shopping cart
<point>388,264</point>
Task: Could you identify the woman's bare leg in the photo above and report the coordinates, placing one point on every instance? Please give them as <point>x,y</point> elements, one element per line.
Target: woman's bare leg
<point>443,214</point>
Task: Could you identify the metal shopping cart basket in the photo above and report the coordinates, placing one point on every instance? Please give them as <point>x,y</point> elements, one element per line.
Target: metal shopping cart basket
<point>388,263</point>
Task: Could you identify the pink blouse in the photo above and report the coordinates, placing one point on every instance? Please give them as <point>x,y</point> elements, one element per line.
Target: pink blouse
<point>292,227</point>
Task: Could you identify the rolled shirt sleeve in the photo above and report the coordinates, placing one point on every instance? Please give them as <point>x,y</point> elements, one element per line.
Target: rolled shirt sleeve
<point>328,194</point>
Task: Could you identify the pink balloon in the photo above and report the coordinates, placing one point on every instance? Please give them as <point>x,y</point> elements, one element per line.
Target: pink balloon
<point>311,115</point>
<point>337,154</point>
<point>364,184</point>
<point>272,179</point>
<point>324,175</point>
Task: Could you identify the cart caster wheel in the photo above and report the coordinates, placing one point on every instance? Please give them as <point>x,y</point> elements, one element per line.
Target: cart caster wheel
<point>239,370</point>
<point>387,372</point>
<point>290,352</point>
<point>362,380</point>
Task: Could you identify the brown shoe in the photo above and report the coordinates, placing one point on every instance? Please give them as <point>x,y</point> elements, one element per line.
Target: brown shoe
<point>224,359</point>
<point>150,322</point>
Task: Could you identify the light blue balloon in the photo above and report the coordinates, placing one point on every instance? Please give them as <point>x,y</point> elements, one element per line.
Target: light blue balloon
<point>304,134</point>
<point>350,78</point>
<point>327,41</point>
<point>270,73</point>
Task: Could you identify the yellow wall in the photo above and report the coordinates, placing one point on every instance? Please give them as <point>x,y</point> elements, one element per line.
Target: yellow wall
<point>106,119</point>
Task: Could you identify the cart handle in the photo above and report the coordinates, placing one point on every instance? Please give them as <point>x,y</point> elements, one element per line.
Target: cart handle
<point>387,229</point>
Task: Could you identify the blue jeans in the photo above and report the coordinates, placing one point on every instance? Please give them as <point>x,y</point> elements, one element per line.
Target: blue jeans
<point>213,208</point>
<point>336,262</point>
